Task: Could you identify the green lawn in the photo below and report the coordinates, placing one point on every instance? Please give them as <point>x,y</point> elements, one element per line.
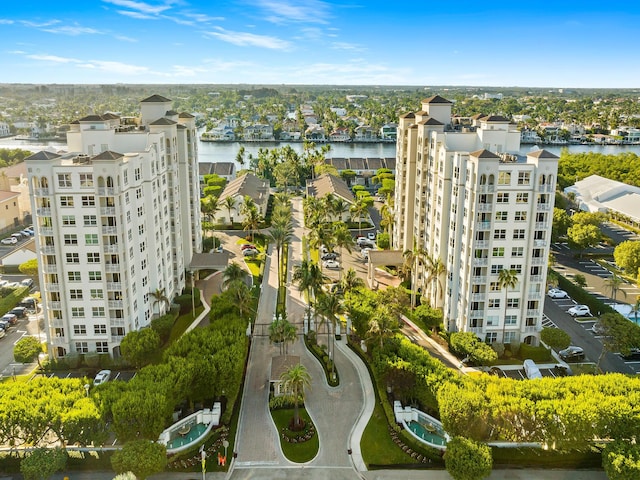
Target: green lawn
<point>295,452</point>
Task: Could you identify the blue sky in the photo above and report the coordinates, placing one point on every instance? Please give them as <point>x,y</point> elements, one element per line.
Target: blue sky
<point>355,42</point>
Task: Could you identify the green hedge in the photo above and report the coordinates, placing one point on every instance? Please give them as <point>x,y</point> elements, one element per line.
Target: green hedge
<point>537,354</point>
<point>581,296</point>
<point>320,354</point>
<point>10,301</point>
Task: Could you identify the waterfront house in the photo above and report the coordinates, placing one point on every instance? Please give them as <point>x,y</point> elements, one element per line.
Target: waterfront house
<point>245,185</point>
<point>327,184</point>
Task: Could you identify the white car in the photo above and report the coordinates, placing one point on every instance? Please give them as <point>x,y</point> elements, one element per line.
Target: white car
<point>9,241</point>
<point>579,311</point>
<point>102,377</point>
<point>371,236</point>
<point>557,293</point>
<point>330,264</point>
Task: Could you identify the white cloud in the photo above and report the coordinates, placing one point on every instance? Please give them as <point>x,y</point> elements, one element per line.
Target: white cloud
<point>295,11</point>
<point>5,21</point>
<point>73,30</point>
<point>352,47</point>
<point>115,67</point>
<point>124,38</point>
<point>53,58</point>
<point>244,39</point>
<point>202,18</point>
<point>140,7</point>
<point>28,23</point>
<point>137,15</point>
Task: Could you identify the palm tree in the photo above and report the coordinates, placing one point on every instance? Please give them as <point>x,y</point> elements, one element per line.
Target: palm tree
<point>243,297</point>
<point>412,260</point>
<point>295,380</point>
<point>229,203</point>
<point>382,325</point>
<point>337,206</point>
<point>309,277</point>
<point>330,307</point>
<point>435,269</point>
<point>506,279</point>
<point>358,210</point>
<point>388,218</point>
<point>240,157</point>
<point>342,239</point>
<point>283,332</point>
<point>281,235</point>
<point>614,284</point>
<point>159,296</point>
<point>232,274</point>
<point>351,281</point>
<point>209,207</point>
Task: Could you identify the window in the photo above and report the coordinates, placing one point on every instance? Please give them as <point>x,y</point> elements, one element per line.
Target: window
<point>90,220</point>
<point>143,264</point>
<point>93,257</point>
<point>522,197</point>
<point>510,319</point>
<point>501,216</point>
<point>495,269</point>
<point>140,211</point>
<point>71,239</point>
<point>524,178</point>
<point>74,276</point>
<point>73,258</point>
<point>75,294</point>
<point>145,281</point>
<point>521,216</point>
<point>95,276</point>
<point>494,286</point>
<point>517,252</point>
<point>82,347</point>
<point>509,337</point>
<point>100,329</point>
<point>494,303</point>
<point>141,229</point>
<point>96,293</point>
<point>499,234</point>
<point>64,180</point>
<point>513,303</point>
<point>59,332</point>
<point>492,337</point>
<point>66,201</point>
<point>86,180</point>
<point>138,193</point>
<point>504,178</point>
<point>516,267</point>
<point>102,347</point>
<point>78,312</point>
<point>497,252</point>
<point>518,234</point>
<point>137,173</point>
<point>68,220</point>
<point>143,246</point>
<point>117,331</point>
<point>88,201</point>
<point>91,238</point>
<point>97,312</point>
<point>502,198</point>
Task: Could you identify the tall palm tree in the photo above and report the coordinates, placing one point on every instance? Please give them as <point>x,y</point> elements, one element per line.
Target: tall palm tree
<point>343,240</point>
<point>160,297</point>
<point>232,274</point>
<point>359,210</point>
<point>240,157</point>
<point>338,207</point>
<point>614,284</point>
<point>309,278</point>
<point>243,297</point>
<point>282,332</point>
<point>229,203</point>
<point>388,218</point>
<point>435,269</point>
<point>506,279</point>
<point>295,380</point>
<point>209,207</point>
<point>382,325</point>
<point>351,281</point>
<point>330,308</point>
<point>281,235</point>
<point>412,260</point>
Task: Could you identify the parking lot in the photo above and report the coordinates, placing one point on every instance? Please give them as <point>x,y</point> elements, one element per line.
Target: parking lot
<point>124,375</point>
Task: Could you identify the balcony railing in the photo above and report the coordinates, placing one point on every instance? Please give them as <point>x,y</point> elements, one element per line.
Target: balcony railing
<point>112,267</point>
<point>116,338</point>
<point>54,305</point>
<point>478,297</point>
<point>53,287</point>
<point>43,212</point>
<point>49,250</point>
<point>541,225</point>
<point>476,330</point>
<point>116,304</point>
<point>483,225</point>
<point>480,262</point>
<point>111,248</point>
<point>544,207</point>
<point>535,295</point>
<point>114,286</point>
<point>531,329</point>
<point>539,243</point>
<point>481,243</point>
<point>535,278</point>
<point>486,188</point>
<point>537,261</point>
<point>107,210</point>
<point>484,207</point>
<point>532,312</point>
<point>547,188</point>
<point>109,230</point>
<point>45,230</point>
<point>42,191</point>
<point>50,268</point>
<point>479,279</point>
<point>106,191</point>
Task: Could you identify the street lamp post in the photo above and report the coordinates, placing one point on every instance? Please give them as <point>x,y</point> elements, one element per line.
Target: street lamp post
<point>86,388</point>
<point>203,456</point>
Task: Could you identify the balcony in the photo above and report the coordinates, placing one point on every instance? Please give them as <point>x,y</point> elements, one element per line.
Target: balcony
<point>537,261</point>
<point>539,243</point>
<point>480,262</point>
<point>109,230</point>
<point>486,188</point>
<point>43,212</point>
<point>106,191</point>
<point>107,210</point>
<point>483,225</point>
<point>116,304</point>
<point>42,191</point>
<point>535,295</point>
<point>476,330</point>
<point>52,287</point>
<point>484,207</point>
<point>116,338</point>
<point>545,207</point>
<point>49,250</point>
<point>54,305</point>
<point>112,267</point>
<point>114,286</point>
<point>533,312</point>
<point>111,248</point>
<point>478,297</point>
<point>482,279</point>
<point>541,225</point>
<point>45,230</point>
<point>531,329</point>
<point>535,278</point>
<point>481,243</point>
<point>476,314</point>
<point>59,340</point>
<point>53,268</point>
<point>547,188</point>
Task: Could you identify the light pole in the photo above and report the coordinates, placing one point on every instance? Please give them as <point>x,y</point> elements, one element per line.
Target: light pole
<point>86,388</point>
<point>193,292</point>
<point>203,456</point>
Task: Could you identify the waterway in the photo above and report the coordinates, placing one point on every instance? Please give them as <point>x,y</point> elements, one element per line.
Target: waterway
<point>227,151</point>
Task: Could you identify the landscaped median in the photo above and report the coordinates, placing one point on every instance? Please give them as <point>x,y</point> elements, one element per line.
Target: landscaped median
<point>298,446</point>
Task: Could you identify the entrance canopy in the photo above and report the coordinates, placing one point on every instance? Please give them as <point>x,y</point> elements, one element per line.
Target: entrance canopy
<point>209,261</point>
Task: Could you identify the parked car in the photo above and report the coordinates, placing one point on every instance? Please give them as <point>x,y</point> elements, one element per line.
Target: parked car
<point>250,252</point>
<point>4,283</point>
<point>26,233</point>
<point>29,303</point>
<point>13,285</point>
<point>572,352</point>
<point>371,236</point>
<point>557,293</point>
<point>4,325</point>
<point>330,264</point>
<point>27,282</point>
<point>10,317</point>
<point>579,311</point>
<point>102,377</point>
<point>9,241</point>
<point>562,370</point>
<point>329,256</point>
<point>2,333</point>
<point>247,246</point>
<point>19,312</point>
<point>17,236</point>
<point>531,369</point>
<point>598,329</point>
<point>634,354</point>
